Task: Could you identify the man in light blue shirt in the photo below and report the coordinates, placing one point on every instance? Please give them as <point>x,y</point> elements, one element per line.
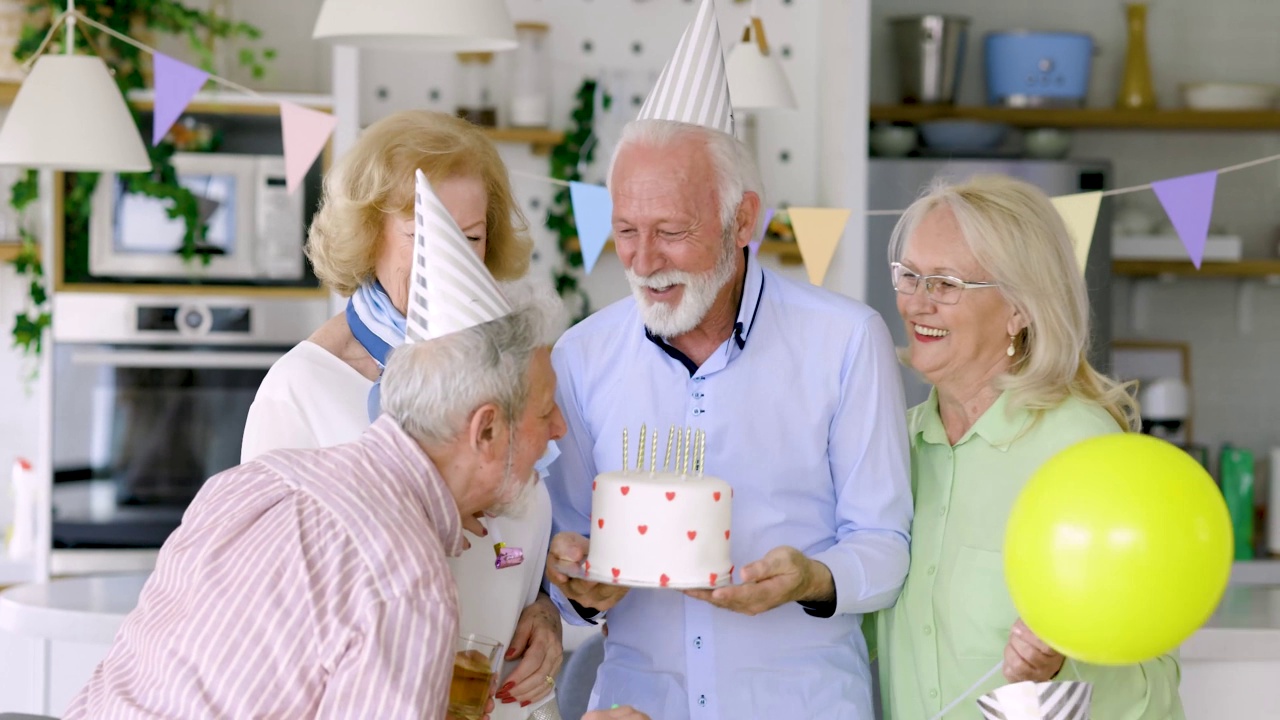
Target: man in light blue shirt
<point>799,394</point>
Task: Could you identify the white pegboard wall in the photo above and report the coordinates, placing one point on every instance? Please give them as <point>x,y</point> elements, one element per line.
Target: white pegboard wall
<point>624,45</point>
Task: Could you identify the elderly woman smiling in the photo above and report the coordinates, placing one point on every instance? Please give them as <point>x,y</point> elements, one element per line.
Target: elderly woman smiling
<point>997,316</point>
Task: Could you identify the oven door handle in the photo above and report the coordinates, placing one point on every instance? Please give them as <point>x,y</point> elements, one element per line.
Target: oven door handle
<point>233,359</point>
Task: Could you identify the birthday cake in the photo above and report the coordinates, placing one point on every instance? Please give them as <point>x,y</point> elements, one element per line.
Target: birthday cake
<point>668,528</point>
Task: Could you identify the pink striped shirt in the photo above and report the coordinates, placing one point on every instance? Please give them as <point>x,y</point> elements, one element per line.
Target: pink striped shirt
<point>307,583</point>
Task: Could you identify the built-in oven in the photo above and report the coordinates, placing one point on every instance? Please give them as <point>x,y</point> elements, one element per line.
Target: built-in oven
<point>150,399</point>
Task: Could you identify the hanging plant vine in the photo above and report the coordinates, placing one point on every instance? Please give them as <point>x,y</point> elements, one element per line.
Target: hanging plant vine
<point>567,159</point>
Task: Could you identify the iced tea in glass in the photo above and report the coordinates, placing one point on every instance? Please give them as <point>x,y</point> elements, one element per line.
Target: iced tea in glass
<point>475,673</point>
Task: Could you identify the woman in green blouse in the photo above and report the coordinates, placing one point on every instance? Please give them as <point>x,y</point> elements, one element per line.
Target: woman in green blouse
<point>997,314</point>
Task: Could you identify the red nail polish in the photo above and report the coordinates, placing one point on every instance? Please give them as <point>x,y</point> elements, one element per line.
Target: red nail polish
<point>506,688</point>
<point>508,700</point>
<point>524,704</point>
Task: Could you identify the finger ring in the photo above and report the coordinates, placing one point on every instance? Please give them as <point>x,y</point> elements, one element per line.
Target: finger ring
<point>551,681</point>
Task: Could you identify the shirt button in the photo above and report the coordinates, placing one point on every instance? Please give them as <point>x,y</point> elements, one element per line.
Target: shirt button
<point>697,411</point>
<point>697,642</point>
<point>697,396</point>
<point>699,378</point>
<point>933,693</point>
<point>933,569</point>
<point>928,629</point>
<point>702,701</point>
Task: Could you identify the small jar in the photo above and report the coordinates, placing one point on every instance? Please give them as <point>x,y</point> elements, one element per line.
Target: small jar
<point>531,76</point>
<point>476,89</point>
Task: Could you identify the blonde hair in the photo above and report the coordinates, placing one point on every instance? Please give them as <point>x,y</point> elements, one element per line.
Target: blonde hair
<point>375,179</point>
<point>1016,234</point>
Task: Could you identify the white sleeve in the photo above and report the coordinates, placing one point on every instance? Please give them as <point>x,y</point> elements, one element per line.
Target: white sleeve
<point>275,425</point>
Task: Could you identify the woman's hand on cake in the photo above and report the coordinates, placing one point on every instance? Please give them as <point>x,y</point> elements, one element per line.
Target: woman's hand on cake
<point>571,549</point>
<point>782,576</point>
<point>539,643</point>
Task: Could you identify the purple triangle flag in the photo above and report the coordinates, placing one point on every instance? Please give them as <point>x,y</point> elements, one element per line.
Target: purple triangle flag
<point>176,83</point>
<point>764,230</point>
<point>593,215</point>
<point>1188,201</point>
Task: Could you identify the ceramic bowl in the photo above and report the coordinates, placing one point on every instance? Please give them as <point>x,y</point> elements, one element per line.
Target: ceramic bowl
<point>1046,143</point>
<point>892,140</point>
<point>961,136</point>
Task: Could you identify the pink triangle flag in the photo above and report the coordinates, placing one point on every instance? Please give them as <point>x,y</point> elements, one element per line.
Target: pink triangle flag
<point>176,83</point>
<point>1188,201</point>
<point>305,133</point>
<point>764,230</point>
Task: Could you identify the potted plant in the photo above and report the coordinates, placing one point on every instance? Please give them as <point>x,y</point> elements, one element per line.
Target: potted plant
<point>139,19</point>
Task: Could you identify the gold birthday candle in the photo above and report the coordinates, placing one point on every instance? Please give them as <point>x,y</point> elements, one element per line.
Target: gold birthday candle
<point>644,433</point>
<point>671,436</point>
<point>653,455</point>
<point>625,459</point>
<point>688,450</point>
<point>702,450</point>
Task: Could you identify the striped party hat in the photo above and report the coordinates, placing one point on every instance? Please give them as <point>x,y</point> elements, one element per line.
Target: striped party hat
<point>1068,700</point>
<point>450,289</point>
<point>693,87</point>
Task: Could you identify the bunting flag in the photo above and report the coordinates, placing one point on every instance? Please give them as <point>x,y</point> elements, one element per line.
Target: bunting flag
<point>818,232</point>
<point>305,133</point>
<point>1188,201</point>
<point>449,287</point>
<point>1068,700</point>
<point>693,87</point>
<point>1080,213</point>
<point>764,230</point>
<point>176,83</point>
<point>593,215</point>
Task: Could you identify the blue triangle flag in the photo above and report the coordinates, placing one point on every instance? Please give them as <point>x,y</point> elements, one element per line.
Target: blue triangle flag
<point>593,214</point>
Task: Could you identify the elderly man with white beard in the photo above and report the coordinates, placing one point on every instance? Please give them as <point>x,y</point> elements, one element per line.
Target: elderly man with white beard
<point>798,391</point>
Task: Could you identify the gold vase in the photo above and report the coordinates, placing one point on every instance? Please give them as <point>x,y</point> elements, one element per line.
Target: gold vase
<point>1137,92</point>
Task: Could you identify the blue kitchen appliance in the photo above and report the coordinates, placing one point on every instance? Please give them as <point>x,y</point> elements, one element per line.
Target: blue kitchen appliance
<point>1037,69</point>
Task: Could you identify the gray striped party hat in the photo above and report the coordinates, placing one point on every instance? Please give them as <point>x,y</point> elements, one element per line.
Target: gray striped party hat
<point>450,289</point>
<point>1038,701</point>
<point>693,87</point>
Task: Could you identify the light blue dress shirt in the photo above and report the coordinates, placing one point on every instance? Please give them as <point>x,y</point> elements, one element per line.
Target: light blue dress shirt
<point>803,410</point>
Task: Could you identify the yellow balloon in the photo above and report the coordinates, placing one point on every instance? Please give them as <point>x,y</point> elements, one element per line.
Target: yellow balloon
<point>1117,549</point>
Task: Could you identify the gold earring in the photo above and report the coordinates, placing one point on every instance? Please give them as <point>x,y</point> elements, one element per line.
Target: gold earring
<point>1010,351</point>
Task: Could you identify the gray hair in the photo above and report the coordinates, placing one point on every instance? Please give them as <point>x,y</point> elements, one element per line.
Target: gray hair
<point>431,388</point>
<point>734,167</point>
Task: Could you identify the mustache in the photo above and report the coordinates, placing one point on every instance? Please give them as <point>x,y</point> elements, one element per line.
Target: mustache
<point>660,279</point>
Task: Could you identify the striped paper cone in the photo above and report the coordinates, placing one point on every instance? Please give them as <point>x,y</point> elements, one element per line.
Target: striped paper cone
<point>450,289</point>
<point>693,87</point>
<point>1038,701</point>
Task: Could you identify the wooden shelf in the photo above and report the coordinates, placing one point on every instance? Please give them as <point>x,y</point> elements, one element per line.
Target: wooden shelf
<point>540,139</point>
<point>232,103</point>
<point>8,91</point>
<point>1096,118</point>
<point>1258,268</point>
<point>788,253</point>
<point>9,250</point>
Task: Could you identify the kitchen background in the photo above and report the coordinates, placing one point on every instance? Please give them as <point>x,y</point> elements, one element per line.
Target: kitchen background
<point>1232,326</point>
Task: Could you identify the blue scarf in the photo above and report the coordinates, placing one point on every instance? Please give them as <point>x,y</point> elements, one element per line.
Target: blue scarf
<point>379,328</point>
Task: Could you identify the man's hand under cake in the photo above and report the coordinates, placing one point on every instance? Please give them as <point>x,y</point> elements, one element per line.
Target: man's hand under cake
<point>570,549</point>
<point>782,576</point>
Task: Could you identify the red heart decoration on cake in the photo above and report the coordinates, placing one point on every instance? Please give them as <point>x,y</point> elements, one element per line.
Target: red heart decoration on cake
<point>616,573</point>
<point>716,495</point>
<point>671,496</point>
<point>600,523</point>
<point>713,578</point>
<point>726,534</point>
<point>693,534</point>
<point>662,581</point>
<point>643,529</point>
<point>625,489</point>
<point>593,484</point>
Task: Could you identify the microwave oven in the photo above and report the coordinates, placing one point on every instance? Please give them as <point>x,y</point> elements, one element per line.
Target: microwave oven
<point>254,228</point>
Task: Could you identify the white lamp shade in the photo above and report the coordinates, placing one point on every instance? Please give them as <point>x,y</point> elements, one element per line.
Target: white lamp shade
<point>443,25</point>
<point>69,115</point>
<point>757,81</point>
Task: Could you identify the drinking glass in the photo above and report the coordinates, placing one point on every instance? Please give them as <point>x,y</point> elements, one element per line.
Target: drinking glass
<point>475,672</point>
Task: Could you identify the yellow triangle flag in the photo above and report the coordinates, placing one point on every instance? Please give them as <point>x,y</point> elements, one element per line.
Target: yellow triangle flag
<point>818,232</point>
<point>1080,213</point>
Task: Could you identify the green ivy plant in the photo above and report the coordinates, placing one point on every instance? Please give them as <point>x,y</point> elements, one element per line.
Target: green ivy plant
<point>201,29</point>
<point>566,161</point>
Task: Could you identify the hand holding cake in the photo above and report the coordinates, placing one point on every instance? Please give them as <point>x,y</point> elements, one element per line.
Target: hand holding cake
<point>782,576</point>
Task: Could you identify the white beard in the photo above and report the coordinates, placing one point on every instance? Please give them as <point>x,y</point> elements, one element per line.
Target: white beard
<point>667,321</point>
<point>513,497</point>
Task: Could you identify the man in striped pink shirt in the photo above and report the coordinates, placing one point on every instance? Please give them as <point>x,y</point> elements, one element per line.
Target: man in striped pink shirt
<point>313,583</point>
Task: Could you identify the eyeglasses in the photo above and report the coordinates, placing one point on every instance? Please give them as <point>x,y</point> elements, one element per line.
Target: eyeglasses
<point>942,289</point>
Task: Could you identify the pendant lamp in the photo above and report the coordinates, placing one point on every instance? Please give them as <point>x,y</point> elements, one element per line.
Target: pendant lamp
<point>756,78</point>
<point>439,25</point>
<point>69,115</point>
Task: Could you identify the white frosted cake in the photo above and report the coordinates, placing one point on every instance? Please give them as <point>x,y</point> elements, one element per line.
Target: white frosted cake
<point>660,529</point>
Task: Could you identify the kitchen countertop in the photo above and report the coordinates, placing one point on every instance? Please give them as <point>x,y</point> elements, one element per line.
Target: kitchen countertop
<point>1245,627</point>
